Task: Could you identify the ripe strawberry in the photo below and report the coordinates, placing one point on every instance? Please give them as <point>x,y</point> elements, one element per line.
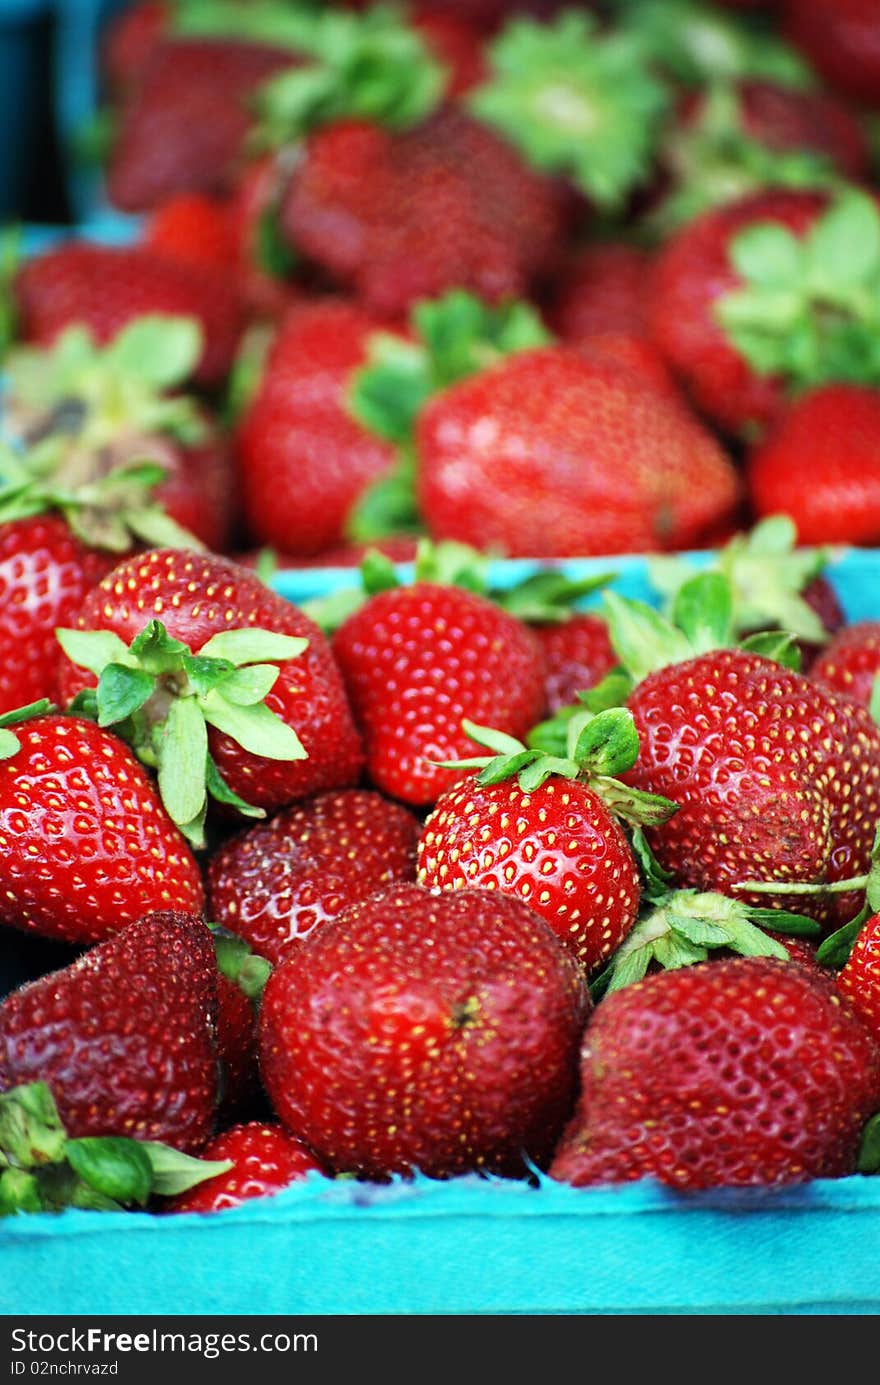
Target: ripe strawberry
<point>418,659</point>
<point>195,228</point>
<point>600,289</point>
<point>577,656</point>
<point>125,1035</point>
<point>593,462</point>
<point>841,39</point>
<point>743,1072</point>
<point>181,604</point>
<point>425,1031</point>
<point>553,837</point>
<point>859,977</point>
<point>45,573</point>
<point>850,661</point>
<point>95,411</point>
<point>365,203</point>
<point>754,755</point>
<point>182,127</point>
<point>241,977</point>
<point>87,843</point>
<point>691,274</point>
<point>274,884</point>
<point>304,460</point>
<point>786,119</point>
<point>127,41</point>
<point>103,287</point>
<point>828,439</point>
<point>455,44</point>
<point>265,1160</point>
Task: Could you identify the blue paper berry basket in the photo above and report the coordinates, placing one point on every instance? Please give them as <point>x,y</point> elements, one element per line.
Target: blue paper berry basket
<point>470,1245</point>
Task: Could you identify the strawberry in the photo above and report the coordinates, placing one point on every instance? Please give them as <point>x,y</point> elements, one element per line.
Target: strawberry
<point>103,287</point>
<point>753,753</point>
<point>280,730</point>
<point>827,438</point>
<point>436,1032</point>
<point>127,42</point>
<point>841,38</point>
<point>418,659</point>
<point>740,1072</point>
<point>601,289</point>
<point>735,308</point>
<point>97,410</point>
<point>859,977</point>
<point>182,127</point>
<point>125,1035</point>
<point>304,461</point>
<point>553,837</point>
<point>45,572</point>
<point>577,655</point>
<point>274,884</point>
<point>241,977</point>
<point>195,228</point>
<point>264,1159</point>
<point>115,853</point>
<point>850,661</point>
<point>455,44</point>
<point>364,205</point>
<point>594,463</point>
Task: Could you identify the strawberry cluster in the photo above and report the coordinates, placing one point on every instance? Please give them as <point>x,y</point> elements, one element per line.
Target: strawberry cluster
<point>448,872</point>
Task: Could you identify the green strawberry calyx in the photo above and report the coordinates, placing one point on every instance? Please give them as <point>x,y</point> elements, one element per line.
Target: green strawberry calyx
<point>808,308</point>
<point>450,338</point>
<point>545,596</point>
<point>713,160</point>
<point>680,927</point>
<point>697,43</point>
<point>161,698</point>
<point>371,66</point>
<point>577,101</point>
<point>9,743</point>
<point>598,748</point>
<point>114,511</point>
<point>42,1169</point>
<point>239,963</point>
<point>701,620</point>
<point>767,572</point>
<point>89,394</point>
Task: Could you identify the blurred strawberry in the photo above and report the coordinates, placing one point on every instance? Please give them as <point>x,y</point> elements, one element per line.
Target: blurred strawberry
<point>841,38</point>
<point>195,228</point>
<point>819,466</point>
<point>601,289</point>
<point>103,287</point>
<point>850,661</point>
<point>303,460</point>
<point>183,127</point>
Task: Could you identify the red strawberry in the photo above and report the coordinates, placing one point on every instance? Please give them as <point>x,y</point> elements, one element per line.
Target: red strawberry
<point>183,126</point>
<point>577,655</point>
<point>365,204</point>
<point>304,460</point>
<point>45,572</point>
<point>194,228</point>
<point>827,439</point>
<point>859,977</point>
<point>87,844</point>
<point>850,661</point>
<point>416,660</point>
<point>197,598</point>
<point>265,1160</point>
<point>104,287</point>
<point>455,44</point>
<point>274,884</point>
<point>268,274</point>
<point>128,40</point>
<point>125,1035</point>
<point>755,756</point>
<point>593,462</point>
<point>841,38</point>
<point>425,1031</point>
<point>784,118</point>
<point>601,290</point>
<point>691,274</point>
<point>747,1071</point>
<point>551,838</point>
